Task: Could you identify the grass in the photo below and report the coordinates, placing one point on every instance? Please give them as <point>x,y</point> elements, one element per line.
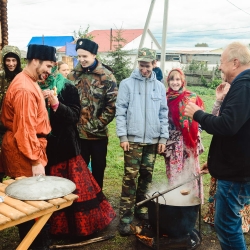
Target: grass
<point>115,166</point>
<point>114,170</point>
<point>113,182</point>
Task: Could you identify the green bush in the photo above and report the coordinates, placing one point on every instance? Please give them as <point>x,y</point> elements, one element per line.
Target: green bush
<point>204,81</point>
<point>213,84</point>
<point>196,65</point>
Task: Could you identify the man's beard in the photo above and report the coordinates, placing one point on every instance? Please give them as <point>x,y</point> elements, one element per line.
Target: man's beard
<point>41,76</point>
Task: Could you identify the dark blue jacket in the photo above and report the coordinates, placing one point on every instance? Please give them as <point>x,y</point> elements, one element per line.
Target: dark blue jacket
<point>158,73</point>
<point>229,153</point>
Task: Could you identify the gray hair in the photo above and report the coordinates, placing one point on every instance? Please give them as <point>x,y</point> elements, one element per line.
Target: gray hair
<point>239,51</point>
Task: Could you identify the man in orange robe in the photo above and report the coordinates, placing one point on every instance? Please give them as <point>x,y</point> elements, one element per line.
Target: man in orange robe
<point>25,116</point>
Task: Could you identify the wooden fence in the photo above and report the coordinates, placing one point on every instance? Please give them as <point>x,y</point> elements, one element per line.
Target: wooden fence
<point>69,61</point>
<point>193,78</point>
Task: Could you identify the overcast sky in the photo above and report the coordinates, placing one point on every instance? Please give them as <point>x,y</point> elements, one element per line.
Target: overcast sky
<point>215,22</point>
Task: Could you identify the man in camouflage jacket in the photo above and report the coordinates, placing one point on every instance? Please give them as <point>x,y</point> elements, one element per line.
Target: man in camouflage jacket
<point>11,66</point>
<point>98,90</point>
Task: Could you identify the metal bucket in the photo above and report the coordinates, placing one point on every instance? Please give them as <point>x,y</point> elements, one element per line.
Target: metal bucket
<point>175,221</point>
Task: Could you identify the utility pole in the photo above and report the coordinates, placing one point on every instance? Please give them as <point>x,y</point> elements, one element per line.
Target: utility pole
<point>164,37</point>
<point>145,29</point>
<point>111,38</point>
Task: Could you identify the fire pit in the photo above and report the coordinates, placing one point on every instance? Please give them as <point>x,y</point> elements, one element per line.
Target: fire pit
<point>189,242</point>
<point>172,219</point>
<point>177,213</point>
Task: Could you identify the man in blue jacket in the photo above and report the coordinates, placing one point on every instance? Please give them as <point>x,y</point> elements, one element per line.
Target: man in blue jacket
<point>157,71</point>
<point>229,153</point>
<point>142,126</point>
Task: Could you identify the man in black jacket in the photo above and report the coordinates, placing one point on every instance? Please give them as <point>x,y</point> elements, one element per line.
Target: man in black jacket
<point>229,153</point>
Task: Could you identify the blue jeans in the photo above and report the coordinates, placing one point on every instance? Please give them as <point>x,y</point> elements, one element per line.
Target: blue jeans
<point>230,199</point>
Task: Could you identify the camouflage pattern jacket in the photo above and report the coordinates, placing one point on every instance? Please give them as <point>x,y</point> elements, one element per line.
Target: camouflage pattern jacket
<point>4,82</point>
<point>98,91</point>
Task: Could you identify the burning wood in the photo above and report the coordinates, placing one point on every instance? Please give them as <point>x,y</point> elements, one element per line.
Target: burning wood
<point>138,229</point>
<point>146,240</point>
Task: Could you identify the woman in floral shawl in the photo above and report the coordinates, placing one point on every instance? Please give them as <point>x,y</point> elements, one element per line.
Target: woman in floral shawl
<point>91,212</point>
<point>184,143</point>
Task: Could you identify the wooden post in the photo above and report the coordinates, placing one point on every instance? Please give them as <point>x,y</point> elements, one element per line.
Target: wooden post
<point>164,36</point>
<point>145,30</point>
<point>69,61</point>
<point>111,39</point>
<point>4,23</point>
<point>213,73</point>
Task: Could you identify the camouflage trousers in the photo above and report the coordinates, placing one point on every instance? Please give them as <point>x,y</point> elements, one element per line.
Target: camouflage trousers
<point>140,159</point>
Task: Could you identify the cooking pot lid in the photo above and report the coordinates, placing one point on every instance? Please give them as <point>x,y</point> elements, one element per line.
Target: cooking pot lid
<point>40,188</point>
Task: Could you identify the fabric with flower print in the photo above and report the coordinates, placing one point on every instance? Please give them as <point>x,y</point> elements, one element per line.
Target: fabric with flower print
<point>184,144</point>
<point>181,163</point>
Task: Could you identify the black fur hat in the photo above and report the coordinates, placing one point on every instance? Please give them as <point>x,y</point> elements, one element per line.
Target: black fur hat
<point>87,44</point>
<point>41,52</point>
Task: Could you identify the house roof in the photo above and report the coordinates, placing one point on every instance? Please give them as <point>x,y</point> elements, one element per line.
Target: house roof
<point>56,41</point>
<point>102,38</point>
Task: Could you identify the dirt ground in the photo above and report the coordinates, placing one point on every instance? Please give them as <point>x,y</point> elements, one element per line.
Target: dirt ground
<point>209,240</point>
<point>9,239</point>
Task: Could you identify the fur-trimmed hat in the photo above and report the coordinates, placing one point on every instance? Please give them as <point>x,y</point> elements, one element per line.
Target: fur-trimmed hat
<point>87,44</point>
<point>41,52</point>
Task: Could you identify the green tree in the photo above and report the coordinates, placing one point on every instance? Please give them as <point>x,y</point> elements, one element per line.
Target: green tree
<point>201,45</point>
<point>195,65</point>
<point>119,59</point>
<point>23,63</point>
<point>83,34</point>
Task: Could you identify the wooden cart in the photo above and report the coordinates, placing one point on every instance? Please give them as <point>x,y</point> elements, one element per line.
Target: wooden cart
<point>14,212</point>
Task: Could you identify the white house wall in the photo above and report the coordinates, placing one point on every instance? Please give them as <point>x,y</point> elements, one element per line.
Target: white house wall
<point>209,58</point>
<point>134,45</point>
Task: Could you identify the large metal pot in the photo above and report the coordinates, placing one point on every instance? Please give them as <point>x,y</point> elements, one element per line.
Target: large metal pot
<point>40,188</point>
<point>177,216</point>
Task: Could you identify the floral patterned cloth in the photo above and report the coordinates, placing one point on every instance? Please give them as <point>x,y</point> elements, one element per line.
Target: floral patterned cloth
<point>181,163</point>
<point>209,217</point>
<point>184,144</point>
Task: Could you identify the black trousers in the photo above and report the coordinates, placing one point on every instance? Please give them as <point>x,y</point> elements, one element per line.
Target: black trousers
<point>42,240</point>
<point>96,151</point>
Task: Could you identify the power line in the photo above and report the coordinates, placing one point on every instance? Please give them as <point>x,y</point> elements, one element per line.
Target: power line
<point>239,8</point>
<point>203,30</point>
<point>206,35</point>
